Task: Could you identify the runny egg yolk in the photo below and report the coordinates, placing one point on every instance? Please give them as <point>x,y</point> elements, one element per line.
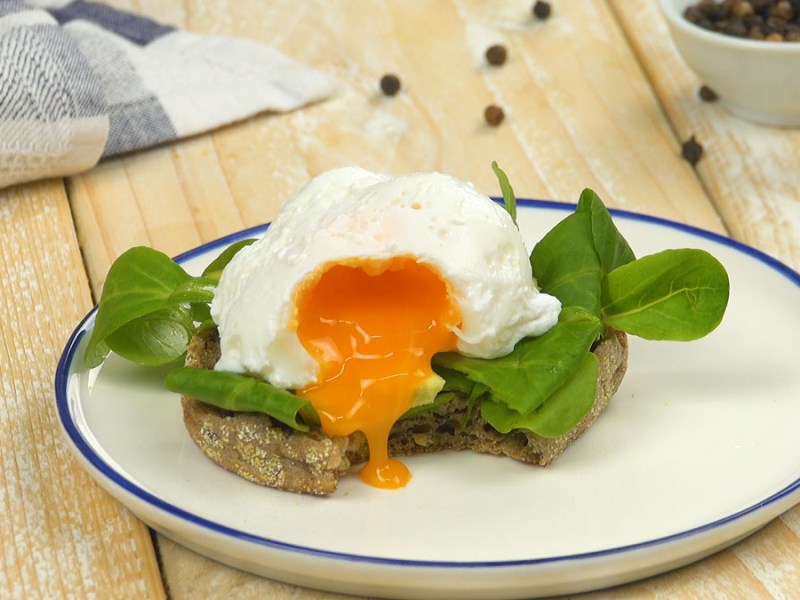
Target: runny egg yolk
<point>373,327</point>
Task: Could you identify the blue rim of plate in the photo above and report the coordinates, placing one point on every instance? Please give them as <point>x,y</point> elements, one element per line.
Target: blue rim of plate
<point>82,445</point>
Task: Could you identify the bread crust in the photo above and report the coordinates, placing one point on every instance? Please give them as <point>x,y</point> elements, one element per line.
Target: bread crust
<point>264,451</point>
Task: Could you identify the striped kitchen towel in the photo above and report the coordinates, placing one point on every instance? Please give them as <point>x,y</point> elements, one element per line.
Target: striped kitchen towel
<point>81,81</point>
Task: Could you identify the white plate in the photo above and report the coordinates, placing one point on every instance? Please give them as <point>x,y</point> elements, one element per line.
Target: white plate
<point>699,448</point>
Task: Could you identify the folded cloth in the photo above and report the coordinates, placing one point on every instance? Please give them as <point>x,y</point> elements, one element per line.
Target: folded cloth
<point>81,81</point>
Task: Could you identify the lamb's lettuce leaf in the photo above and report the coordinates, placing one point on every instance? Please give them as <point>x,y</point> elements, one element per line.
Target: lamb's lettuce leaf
<point>509,198</point>
<point>214,270</point>
<point>572,261</point>
<point>559,413</point>
<point>140,282</point>
<point>155,339</point>
<point>612,249</point>
<point>565,264</point>
<point>524,379</point>
<point>676,295</point>
<point>235,392</point>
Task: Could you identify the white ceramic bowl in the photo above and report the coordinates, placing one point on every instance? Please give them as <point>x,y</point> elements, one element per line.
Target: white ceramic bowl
<point>756,80</point>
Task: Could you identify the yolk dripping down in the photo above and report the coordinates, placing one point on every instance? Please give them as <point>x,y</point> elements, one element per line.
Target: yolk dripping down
<point>373,327</point>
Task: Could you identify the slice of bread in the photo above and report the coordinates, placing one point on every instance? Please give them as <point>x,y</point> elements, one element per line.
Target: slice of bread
<point>269,453</point>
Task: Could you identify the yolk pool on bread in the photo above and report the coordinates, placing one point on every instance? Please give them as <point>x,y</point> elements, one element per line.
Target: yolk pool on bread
<point>360,280</point>
<point>373,328</point>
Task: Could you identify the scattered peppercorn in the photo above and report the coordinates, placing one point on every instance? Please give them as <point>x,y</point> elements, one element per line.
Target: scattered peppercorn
<point>496,55</point>
<point>692,151</point>
<point>541,10</point>
<point>707,94</point>
<point>770,20</point>
<point>494,115</point>
<point>390,84</point>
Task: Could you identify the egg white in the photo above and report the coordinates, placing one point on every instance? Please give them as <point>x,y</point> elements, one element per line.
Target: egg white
<point>351,214</point>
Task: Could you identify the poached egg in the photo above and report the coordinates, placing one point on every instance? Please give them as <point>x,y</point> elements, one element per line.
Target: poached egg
<point>359,281</point>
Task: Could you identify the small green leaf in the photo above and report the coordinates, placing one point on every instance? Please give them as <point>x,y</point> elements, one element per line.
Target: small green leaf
<point>440,399</point>
<point>612,249</point>
<point>566,265</point>
<point>453,380</point>
<point>509,199</point>
<point>676,295</point>
<point>139,282</point>
<point>214,270</point>
<point>155,339</point>
<point>201,312</point>
<point>572,261</point>
<point>559,413</point>
<point>536,367</point>
<point>240,393</point>
<point>196,289</point>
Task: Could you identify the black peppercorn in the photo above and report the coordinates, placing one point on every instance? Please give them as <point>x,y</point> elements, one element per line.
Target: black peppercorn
<point>742,9</point>
<point>496,55</point>
<point>541,10</point>
<point>707,94</point>
<point>692,151</point>
<point>390,84</point>
<point>783,10</point>
<point>734,27</point>
<point>494,115</point>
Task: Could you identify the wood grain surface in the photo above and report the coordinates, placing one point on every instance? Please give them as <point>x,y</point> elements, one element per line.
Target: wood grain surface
<point>60,535</point>
<point>596,96</point>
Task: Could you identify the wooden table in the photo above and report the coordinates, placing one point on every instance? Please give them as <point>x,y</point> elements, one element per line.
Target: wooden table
<point>594,97</point>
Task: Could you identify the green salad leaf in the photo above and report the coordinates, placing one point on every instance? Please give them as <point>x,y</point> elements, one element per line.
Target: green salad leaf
<point>509,199</point>
<point>572,261</point>
<point>214,270</point>
<point>612,249</point>
<point>440,399</point>
<point>195,290</point>
<point>235,392</point>
<point>672,295</point>
<point>536,368</point>
<point>140,282</point>
<point>566,265</point>
<point>155,339</point>
<point>560,412</point>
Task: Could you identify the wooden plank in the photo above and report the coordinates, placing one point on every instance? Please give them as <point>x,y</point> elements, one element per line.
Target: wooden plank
<point>720,576</point>
<point>750,171</point>
<point>792,520</point>
<point>191,575</point>
<point>60,534</point>
<point>772,556</point>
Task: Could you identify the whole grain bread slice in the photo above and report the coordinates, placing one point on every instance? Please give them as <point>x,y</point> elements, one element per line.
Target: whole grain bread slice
<point>262,450</point>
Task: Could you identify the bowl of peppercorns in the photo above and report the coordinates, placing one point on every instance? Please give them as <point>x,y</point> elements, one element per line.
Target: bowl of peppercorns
<point>745,52</point>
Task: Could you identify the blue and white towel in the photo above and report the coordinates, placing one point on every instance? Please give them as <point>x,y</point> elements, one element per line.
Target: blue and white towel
<point>81,81</point>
